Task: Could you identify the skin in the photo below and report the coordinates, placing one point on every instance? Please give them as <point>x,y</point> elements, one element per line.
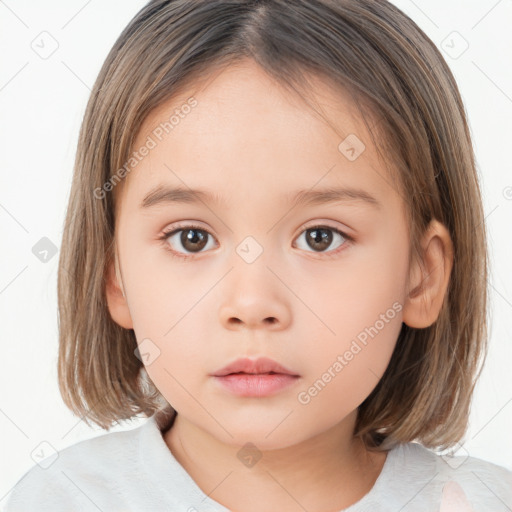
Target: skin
<point>251,142</point>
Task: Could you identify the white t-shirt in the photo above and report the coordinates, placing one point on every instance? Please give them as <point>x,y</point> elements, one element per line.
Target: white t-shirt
<point>135,471</point>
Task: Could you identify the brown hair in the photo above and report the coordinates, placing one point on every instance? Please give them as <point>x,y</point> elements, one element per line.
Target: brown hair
<point>395,73</point>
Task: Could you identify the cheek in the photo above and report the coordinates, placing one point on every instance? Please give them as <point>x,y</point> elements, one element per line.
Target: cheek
<point>171,319</point>
<point>349,294</point>
<point>160,292</point>
<point>168,306</point>
<point>360,303</point>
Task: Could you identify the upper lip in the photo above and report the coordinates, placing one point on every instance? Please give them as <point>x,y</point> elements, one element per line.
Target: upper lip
<point>254,366</point>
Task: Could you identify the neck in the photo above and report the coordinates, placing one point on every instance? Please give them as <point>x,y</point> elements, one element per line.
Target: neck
<point>327,472</point>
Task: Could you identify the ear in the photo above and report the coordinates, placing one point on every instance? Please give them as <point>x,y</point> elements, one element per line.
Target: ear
<point>116,300</point>
<point>428,279</point>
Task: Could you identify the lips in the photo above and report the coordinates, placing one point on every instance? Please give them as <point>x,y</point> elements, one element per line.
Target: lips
<point>262,365</point>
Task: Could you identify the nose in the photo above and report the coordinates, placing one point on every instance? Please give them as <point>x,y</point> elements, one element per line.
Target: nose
<point>254,299</point>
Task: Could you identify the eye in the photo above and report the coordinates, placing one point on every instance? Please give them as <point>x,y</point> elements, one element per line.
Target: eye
<point>193,239</point>
<point>320,238</point>
<point>189,237</point>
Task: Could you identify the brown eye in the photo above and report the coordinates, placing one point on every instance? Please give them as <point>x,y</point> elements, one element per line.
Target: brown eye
<point>186,240</point>
<point>193,239</point>
<point>320,238</point>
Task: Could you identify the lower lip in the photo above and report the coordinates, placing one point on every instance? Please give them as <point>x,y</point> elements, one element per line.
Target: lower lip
<point>244,384</point>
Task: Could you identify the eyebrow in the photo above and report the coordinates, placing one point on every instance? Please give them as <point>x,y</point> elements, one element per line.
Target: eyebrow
<point>163,194</point>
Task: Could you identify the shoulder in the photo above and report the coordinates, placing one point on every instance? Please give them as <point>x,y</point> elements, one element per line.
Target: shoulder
<point>58,480</point>
<point>463,479</point>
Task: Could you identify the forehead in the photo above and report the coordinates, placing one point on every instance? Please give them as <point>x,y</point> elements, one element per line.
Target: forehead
<point>247,135</point>
<point>246,95</point>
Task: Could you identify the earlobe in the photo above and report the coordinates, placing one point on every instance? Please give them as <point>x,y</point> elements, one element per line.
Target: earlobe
<point>116,299</point>
<point>429,279</point>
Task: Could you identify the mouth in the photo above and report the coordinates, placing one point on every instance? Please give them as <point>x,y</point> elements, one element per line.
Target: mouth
<point>256,385</point>
<point>251,373</point>
<point>260,366</point>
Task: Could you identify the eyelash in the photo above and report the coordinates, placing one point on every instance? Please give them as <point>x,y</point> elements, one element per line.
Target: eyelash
<point>176,229</point>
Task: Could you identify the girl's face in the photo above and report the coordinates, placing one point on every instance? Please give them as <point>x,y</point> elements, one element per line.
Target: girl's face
<point>253,279</point>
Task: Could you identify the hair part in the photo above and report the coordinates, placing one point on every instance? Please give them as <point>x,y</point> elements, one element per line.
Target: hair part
<point>410,102</point>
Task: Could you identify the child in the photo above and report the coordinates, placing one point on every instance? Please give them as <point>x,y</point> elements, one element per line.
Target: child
<point>323,341</point>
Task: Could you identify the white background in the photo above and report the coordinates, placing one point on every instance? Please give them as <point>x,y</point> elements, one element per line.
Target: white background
<point>42,102</point>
